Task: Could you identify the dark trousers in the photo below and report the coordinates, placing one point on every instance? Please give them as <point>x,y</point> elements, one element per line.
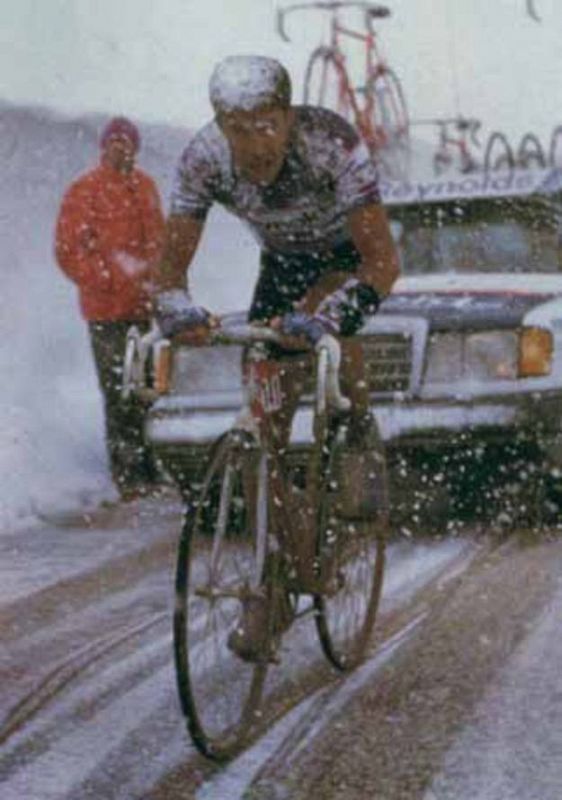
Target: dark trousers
<point>285,277</point>
<point>130,459</point>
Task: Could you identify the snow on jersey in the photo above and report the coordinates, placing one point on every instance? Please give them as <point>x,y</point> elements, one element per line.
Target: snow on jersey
<point>327,172</point>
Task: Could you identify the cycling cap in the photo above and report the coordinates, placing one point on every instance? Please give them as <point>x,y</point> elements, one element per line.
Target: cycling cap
<point>248,82</point>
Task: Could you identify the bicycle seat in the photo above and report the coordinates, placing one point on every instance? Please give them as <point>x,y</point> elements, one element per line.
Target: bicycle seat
<point>464,124</point>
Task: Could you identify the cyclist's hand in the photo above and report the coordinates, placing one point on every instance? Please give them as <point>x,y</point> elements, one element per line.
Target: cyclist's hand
<point>199,335</point>
<point>302,326</point>
<point>343,311</point>
<point>176,314</point>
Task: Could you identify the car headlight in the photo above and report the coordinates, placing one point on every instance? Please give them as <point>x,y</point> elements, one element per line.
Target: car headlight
<point>162,366</point>
<point>491,355</point>
<point>535,352</point>
<point>444,358</point>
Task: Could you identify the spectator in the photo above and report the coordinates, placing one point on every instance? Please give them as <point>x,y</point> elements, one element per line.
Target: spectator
<point>109,234</point>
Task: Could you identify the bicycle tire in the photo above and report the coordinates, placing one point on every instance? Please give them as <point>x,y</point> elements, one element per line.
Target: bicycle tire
<point>322,84</point>
<point>441,164</point>
<point>555,150</point>
<point>219,693</point>
<point>346,616</point>
<point>504,160</point>
<point>390,121</point>
<point>530,149</point>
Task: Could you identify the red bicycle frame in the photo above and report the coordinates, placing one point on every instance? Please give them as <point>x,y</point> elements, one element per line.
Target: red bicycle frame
<point>364,113</point>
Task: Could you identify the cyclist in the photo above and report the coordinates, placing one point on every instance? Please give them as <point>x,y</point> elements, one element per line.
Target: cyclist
<point>307,187</point>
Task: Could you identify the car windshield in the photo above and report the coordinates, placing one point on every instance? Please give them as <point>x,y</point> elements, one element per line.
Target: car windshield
<point>479,236</point>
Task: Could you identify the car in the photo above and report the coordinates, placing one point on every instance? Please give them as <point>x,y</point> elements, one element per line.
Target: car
<point>464,358</point>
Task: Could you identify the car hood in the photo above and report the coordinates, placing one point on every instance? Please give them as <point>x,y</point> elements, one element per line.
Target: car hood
<point>478,301</point>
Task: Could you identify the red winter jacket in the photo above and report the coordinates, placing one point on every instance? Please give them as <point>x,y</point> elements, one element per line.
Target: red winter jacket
<point>109,233</point>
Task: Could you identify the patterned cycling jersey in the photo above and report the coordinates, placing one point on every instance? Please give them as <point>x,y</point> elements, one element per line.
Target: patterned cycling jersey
<point>326,173</point>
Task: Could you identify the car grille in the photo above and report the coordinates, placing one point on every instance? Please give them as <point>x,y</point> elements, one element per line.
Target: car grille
<point>388,362</point>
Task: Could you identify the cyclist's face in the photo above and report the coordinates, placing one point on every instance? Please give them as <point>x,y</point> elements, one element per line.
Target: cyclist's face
<point>258,141</point>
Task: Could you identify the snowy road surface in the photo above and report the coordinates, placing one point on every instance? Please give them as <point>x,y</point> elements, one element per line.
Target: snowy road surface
<point>460,696</point>
<point>88,704</point>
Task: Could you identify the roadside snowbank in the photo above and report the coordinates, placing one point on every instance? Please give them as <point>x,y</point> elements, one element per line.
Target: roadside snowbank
<point>52,451</point>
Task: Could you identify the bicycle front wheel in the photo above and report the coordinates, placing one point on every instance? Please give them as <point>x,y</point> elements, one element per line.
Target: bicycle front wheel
<point>530,152</point>
<point>555,151</point>
<point>389,122</point>
<point>354,551</point>
<point>324,84</point>
<point>499,153</point>
<point>217,566</point>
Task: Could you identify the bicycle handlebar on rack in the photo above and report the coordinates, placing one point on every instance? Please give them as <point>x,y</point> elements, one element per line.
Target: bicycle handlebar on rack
<point>470,124</point>
<point>532,11</point>
<point>371,11</point>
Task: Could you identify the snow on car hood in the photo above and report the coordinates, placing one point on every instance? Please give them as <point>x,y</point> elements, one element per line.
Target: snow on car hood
<point>478,301</point>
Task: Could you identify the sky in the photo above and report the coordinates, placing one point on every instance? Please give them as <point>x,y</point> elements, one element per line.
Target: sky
<point>152,60</point>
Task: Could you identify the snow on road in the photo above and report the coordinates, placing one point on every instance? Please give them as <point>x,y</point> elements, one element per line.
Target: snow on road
<point>52,450</point>
<point>110,725</point>
<point>298,729</point>
<point>513,748</point>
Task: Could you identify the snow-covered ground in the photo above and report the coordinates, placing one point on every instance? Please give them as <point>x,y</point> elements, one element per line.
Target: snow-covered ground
<point>511,749</point>
<point>52,451</point>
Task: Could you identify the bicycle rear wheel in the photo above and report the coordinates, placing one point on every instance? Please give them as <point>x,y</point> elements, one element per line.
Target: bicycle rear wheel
<point>390,114</point>
<point>441,163</point>
<point>217,564</point>
<point>354,549</point>
<point>555,152</point>
<point>390,122</point>
<point>499,153</point>
<point>530,152</point>
<point>324,84</point>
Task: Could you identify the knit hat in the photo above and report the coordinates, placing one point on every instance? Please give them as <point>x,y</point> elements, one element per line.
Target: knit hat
<point>120,126</point>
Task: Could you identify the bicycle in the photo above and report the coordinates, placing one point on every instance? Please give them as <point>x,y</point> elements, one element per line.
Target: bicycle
<point>377,108</point>
<point>555,149</point>
<point>530,152</point>
<point>456,146</point>
<point>532,11</point>
<point>238,545</point>
<point>499,153</point>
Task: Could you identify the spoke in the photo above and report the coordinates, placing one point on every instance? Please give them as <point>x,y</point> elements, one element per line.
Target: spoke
<point>222,520</point>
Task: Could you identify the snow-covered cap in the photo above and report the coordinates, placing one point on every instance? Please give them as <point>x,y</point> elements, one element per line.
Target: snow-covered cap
<point>248,82</point>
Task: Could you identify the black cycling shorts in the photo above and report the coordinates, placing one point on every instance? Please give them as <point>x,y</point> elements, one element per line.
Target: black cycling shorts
<point>285,278</point>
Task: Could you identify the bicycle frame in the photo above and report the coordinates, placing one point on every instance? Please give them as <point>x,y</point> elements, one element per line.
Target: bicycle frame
<point>372,63</point>
<point>328,392</point>
<point>327,396</point>
<point>363,113</point>
<point>465,131</point>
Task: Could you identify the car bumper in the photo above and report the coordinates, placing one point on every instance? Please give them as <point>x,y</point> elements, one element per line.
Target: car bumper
<point>172,426</point>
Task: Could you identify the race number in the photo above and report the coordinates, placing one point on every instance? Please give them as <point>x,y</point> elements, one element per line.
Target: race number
<point>264,387</point>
